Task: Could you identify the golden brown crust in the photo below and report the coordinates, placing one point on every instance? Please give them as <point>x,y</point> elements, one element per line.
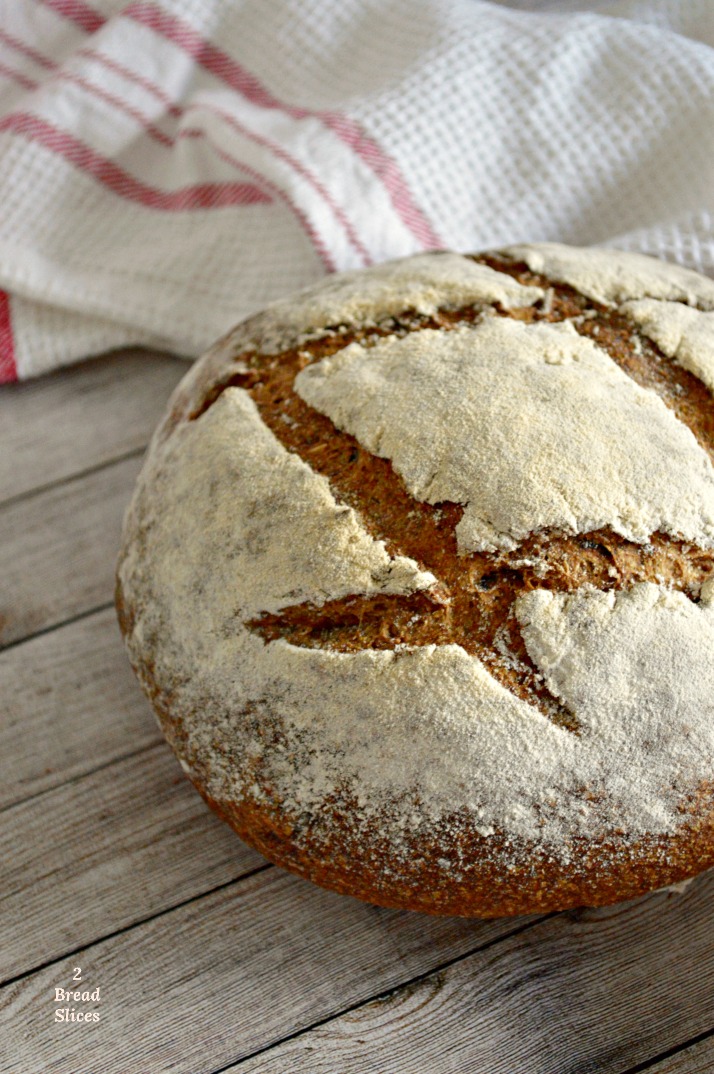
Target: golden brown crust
<point>595,876</point>
<point>474,606</point>
<point>460,872</point>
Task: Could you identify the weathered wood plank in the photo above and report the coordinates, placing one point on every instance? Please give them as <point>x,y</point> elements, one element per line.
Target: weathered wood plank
<point>104,852</point>
<point>59,548</point>
<point>68,704</point>
<point>81,417</point>
<point>697,1059</point>
<point>590,993</point>
<point>195,989</point>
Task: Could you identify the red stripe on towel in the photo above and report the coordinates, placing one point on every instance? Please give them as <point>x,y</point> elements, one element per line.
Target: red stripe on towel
<point>26,50</point>
<point>8,365</point>
<point>109,174</point>
<point>78,12</point>
<point>17,76</point>
<point>223,66</point>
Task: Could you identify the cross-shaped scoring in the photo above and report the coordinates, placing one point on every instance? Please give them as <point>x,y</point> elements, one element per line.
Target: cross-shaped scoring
<point>473,604</point>
<point>465,676</point>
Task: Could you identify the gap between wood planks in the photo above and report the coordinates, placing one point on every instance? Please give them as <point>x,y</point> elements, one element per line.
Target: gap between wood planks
<point>406,1013</point>
<point>558,959</point>
<point>81,416</point>
<point>670,1053</point>
<point>110,849</point>
<point>234,883</point>
<point>387,993</point>
<point>67,438</point>
<point>53,627</point>
<point>69,705</point>
<point>134,925</point>
<point>80,776</point>
<point>648,1064</point>
<point>67,479</point>
<point>519,926</point>
<point>652,1064</point>
<point>230,963</point>
<point>61,547</point>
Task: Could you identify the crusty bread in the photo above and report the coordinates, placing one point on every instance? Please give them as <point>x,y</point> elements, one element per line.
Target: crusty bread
<point>418,578</point>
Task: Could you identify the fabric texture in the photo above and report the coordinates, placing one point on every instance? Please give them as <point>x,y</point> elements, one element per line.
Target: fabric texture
<point>169,166</point>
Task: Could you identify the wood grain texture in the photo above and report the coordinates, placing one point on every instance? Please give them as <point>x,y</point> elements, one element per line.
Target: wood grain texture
<point>697,1059</point>
<point>81,417</point>
<point>592,992</point>
<point>194,990</point>
<point>59,549</point>
<point>103,852</point>
<point>69,703</point>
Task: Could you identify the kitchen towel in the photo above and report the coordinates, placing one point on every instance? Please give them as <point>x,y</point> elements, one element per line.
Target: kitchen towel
<point>169,166</point>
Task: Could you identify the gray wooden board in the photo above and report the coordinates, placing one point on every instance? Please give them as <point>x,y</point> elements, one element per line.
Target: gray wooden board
<point>194,990</point>
<point>68,704</point>
<point>84,416</point>
<point>59,549</point>
<point>110,849</point>
<point>697,1059</point>
<point>594,991</point>
<point>205,955</point>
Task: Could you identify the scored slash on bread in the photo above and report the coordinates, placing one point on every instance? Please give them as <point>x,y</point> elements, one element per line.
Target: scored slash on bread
<point>473,602</point>
<point>384,737</point>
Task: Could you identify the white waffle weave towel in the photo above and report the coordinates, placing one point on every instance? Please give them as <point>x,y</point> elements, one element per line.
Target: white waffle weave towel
<point>168,166</point>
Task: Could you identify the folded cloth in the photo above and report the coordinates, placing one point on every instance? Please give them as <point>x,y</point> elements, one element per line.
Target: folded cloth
<point>168,167</point>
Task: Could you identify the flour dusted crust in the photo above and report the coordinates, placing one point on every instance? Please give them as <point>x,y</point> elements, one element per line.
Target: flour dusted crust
<point>614,276</point>
<point>423,283</point>
<point>681,332</point>
<point>573,442</point>
<point>473,676</point>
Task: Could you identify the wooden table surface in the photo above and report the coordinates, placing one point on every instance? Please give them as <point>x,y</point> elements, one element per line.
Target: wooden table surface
<point>208,958</point>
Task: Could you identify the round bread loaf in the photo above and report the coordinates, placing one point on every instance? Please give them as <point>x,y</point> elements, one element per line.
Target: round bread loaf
<point>418,578</point>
